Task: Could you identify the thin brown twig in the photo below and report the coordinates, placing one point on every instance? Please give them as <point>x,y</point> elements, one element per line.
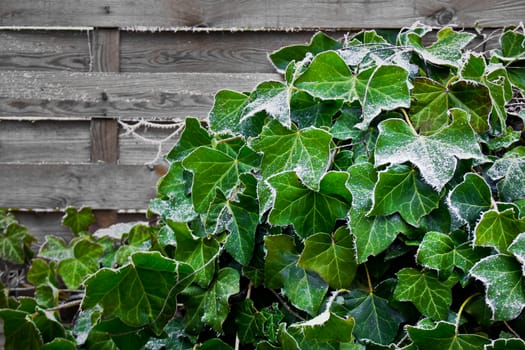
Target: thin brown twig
<point>286,306</point>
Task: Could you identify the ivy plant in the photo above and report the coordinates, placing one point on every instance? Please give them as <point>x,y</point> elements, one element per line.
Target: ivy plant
<point>373,198</point>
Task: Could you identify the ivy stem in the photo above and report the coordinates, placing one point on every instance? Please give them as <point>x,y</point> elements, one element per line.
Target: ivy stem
<point>228,139</point>
<point>511,330</point>
<point>286,306</point>
<point>67,305</point>
<point>370,287</point>
<point>407,119</point>
<point>460,311</point>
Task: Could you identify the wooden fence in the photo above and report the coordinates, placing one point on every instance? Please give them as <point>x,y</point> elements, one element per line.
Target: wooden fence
<point>76,75</point>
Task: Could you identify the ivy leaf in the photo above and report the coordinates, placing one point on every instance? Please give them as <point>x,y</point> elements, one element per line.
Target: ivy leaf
<point>214,169</point>
<point>506,344</point>
<point>60,344</point>
<point>280,256</point>
<point>375,319</point>
<point>227,111</point>
<point>249,322</point>
<point>305,151</point>
<point>54,248</point>
<point>197,253</point>
<point>20,331</point>
<point>143,292</point>
<point>13,243</point>
<point>431,296</point>
<point>372,234</point>
<point>445,336</point>
<point>83,262</point>
<point>509,171</point>
<point>273,97</point>
<point>332,256</point>
<point>327,327</point>
<point>446,50</point>
<point>435,155</point>
<point>498,229</point>
<point>309,211</point>
<point>512,45</point>
<point>78,220</point>
<point>503,280</point>
<point>214,344</point>
<point>470,198</point>
<point>308,111</point>
<point>516,74</point>
<point>517,248</point>
<point>175,338</point>
<point>210,306</point>
<point>399,189</point>
<point>193,136</point>
<point>320,42</point>
<point>443,252</point>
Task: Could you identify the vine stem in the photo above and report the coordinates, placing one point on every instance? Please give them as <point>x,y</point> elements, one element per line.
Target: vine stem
<point>370,287</point>
<point>407,119</point>
<point>67,305</point>
<point>460,311</point>
<point>511,330</point>
<point>286,306</point>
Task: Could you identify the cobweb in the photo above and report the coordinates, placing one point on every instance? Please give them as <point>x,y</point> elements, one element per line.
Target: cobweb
<point>139,131</point>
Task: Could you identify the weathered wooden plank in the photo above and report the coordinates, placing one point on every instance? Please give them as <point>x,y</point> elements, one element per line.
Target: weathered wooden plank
<point>254,14</point>
<point>44,50</point>
<point>44,141</point>
<point>112,95</point>
<point>57,186</point>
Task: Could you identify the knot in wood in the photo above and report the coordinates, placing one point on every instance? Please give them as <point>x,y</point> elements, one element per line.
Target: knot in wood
<point>445,16</point>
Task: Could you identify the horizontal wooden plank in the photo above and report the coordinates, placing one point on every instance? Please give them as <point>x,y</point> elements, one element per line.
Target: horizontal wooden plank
<point>254,14</point>
<point>44,141</point>
<point>25,94</point>
<point>58,186</point>
<point>44,50</point>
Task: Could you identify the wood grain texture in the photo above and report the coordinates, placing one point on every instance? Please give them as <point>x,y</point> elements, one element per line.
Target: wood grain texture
<point>44,141</point>
<point>129,96</point>
<point>254,14</point>
<point>58,186</point>
<point>44,50</point>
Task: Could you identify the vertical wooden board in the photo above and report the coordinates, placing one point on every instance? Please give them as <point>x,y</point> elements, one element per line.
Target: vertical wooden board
<point>44,141</point>
<point>44,50</point>
<point>104,141</point>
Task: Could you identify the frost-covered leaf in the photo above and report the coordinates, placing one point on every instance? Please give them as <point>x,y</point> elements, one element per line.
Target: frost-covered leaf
<point>435,155</point>
<point>14,243</point>
<point>193,136</point>
<point>197,253</point>
<point>373,234</point>
<point>227,111</point>
<point>516,72</point>
<point>214,169</point>
<point>498,229</point>
<point>84,261</point>
<point>320,42</point>
<point>213,344</point>
<point>446,50</point>
<point>332,256</point>
<point>473,67</point>
<point>445,336</point>
<point>431,296</point>
<point>309,211</point>
<point>344,127</point>
<point>429,110</point>
<point>143,292</point>
<point>273,97</point>
<point>503,280</point>
<point>306,151</point>
<point>210,306</point>
<point>175,338</point>
<point>509,171</point>
<point>78,220</point>
<point>517,248</point>
<point>399,190</point>
<point>512,45</point>
<point>20,331</point>
<point>327,327</point>
<point>309,111</point>
<point>374,317</point>
<point>470,198</point>
<point>506,344</point>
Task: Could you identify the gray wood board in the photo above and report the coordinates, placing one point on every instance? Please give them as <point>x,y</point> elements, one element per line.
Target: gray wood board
<point>254,14</point>
<point>58,186</point>
<point>27,94</point>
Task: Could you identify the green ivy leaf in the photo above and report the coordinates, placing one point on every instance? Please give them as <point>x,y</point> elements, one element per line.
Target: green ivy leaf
<point>214,169</point>
<point>273,97</point>
<point>517,248</point>
<point>143,291</point>
<point>13,243</point>
<point>506,344</point>
<point>470,198</point>
<point>445,336</point>
<point>193,136</point>
<point>227,111</point>
<point>78,220</point>
<point>399,189</point>
<point>214,344</point>
<point>175,338</point>
<point>280,256</point>
<point>509,171</point>
<point>249,322</point>
<point>498,229</point>
<point>85,261</point>
<point>308,111</point>
<point>435,155</point>
<point>332,256</point>
<point>210,306</point>
<point>54,248</point>
<point>375,319</point>
<point>20,331</point>
<point>305,151</point>
<point>327,327</point>
<point>60,344</point>
<point>320,42</point>
<point>517,74</point>
<point>372,234</point>
<point>512,45</point>
<point>431,296</point>
<point>309,211</point>
<point>503,280</point>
